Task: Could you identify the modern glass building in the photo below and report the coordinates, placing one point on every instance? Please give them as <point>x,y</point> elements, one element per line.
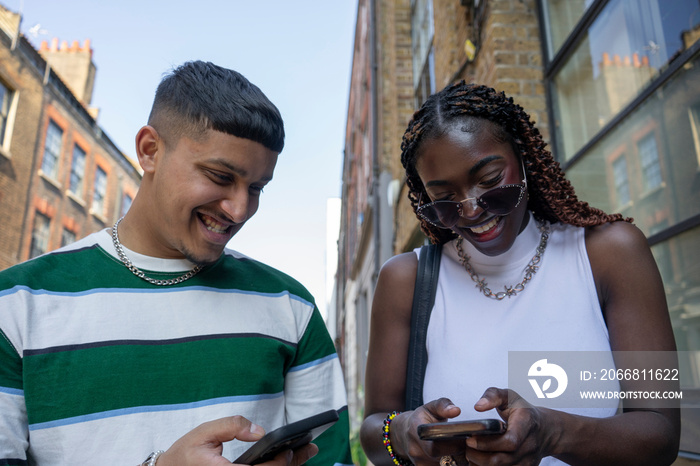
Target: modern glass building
<point>623,88</point>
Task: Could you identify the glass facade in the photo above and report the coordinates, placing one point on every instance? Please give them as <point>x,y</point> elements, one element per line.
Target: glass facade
<point>625,48</point>
<point>624,88</point>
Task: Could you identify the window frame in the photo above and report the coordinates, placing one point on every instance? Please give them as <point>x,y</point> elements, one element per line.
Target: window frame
<point>8,108</point>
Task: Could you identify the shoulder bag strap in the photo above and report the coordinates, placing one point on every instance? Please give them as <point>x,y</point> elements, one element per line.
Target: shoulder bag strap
<point>423,299</point>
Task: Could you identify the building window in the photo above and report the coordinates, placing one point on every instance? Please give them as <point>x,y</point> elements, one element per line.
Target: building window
<point>67,237</point>
<point>52,150</point>
<point>77,170</point>
<point>622,51</point>
<point>40,235</point>
<point>622,184</point>
<point>422,31</point>
<point>649,159</point>
<point>6,98</point>
<point>98,198</point>
<point>561,17</point>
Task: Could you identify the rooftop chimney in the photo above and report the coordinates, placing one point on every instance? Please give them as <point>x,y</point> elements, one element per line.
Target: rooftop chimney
<point>73,64</point>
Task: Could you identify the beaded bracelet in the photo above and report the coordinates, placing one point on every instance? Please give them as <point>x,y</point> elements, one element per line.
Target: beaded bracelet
<point>387,443</point>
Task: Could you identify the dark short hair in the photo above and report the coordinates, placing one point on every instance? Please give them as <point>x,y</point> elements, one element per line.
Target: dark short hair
<point>198,96</point>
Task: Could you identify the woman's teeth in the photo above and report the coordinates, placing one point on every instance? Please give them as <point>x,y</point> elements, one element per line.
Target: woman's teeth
<point>214,226</point>
<point>485,228</point>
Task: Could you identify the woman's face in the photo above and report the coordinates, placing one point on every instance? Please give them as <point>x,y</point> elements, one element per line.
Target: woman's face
<point>458,165</point>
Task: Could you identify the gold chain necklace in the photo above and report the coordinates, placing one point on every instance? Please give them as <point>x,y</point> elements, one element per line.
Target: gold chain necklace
<point>140,273</point>
<point>530,269</point>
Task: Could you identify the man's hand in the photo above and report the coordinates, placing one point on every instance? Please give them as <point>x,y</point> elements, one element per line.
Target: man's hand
<point>203,445</point>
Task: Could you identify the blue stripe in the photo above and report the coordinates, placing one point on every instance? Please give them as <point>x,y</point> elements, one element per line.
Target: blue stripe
<point>152,409</point>
<point>12,391</point>
<point>34,292</point>
<point>313,363</point>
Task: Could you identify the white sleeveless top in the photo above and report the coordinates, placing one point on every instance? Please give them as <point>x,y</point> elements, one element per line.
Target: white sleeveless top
<point>469,339</point>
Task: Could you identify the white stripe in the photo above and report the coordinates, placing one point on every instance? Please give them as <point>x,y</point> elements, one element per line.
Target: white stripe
<point>131,441</point>
<point>107,317</point>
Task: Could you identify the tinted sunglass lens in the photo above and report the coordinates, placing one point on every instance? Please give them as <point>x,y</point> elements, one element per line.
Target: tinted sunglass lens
<point>500,201</point>
<point>444,214</point>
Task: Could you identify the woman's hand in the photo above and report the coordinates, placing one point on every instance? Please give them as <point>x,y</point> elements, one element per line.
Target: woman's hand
<point>404,433</point>
<point>526,439</point>
<point>203,445</point>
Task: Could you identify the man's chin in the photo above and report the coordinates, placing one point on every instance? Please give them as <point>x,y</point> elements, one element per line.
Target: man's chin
<point>204,259</point>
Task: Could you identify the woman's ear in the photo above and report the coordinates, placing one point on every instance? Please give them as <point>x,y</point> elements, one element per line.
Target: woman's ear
<point>148,143</point>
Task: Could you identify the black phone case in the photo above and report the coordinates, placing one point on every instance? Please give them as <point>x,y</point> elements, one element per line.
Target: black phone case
<point>460,429</point>
<point>288,437</point>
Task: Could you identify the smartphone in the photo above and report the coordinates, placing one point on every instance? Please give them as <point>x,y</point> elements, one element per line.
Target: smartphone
<point>289,437</point>
<point>460,429</point>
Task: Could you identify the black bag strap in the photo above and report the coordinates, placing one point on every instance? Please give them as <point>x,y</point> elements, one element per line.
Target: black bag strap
<point>423,299</point>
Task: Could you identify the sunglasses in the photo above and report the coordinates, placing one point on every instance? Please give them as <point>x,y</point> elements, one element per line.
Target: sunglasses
<point>498,201</point>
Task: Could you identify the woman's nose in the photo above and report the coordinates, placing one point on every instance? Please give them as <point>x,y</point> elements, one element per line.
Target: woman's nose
<point>470,208</point>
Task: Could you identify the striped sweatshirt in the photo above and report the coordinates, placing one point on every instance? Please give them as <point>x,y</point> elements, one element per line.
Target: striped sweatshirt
<point>97,365</point>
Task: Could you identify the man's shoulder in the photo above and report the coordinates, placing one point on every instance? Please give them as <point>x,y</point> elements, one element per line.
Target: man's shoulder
<point>258,276</point>
<point>41,270</point>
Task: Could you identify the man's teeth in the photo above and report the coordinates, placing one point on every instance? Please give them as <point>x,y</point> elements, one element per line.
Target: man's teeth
<point>214,226</point>
<point>485,228</point>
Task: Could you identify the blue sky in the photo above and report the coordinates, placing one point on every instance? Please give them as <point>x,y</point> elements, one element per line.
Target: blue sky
<point>299,53</point>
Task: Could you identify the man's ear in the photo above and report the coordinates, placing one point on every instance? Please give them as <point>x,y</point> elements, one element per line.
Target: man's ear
<point>148,143</point>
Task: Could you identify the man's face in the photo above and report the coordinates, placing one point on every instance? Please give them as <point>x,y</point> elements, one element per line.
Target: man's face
<point>204,191</point>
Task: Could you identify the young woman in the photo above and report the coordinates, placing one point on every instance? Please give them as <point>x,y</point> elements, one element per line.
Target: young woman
<point>525,266</point>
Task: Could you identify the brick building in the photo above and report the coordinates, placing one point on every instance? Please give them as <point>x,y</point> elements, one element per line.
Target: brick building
<point>61,177</point>
<point>613,86</point>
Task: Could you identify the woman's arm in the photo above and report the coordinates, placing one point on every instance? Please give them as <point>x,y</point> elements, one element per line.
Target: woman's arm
<point>385,378</point>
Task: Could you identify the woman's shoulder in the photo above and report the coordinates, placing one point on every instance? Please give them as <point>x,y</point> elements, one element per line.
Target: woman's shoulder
<point>400,269</point>
<point>618,253</point>
<point>616,238</point>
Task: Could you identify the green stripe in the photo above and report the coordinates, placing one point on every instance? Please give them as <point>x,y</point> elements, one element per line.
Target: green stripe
<point>66,272</point>
<point>334,444</point>
<point>251,275</point>
<point>316,343</point>
<point>84,381</point>
<point>10,365</point>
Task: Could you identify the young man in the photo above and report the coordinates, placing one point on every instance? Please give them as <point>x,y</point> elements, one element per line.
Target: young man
<point>151,335</point>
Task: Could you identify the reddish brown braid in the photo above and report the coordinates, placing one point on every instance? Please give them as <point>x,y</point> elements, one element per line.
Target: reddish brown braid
<point>551,195</point>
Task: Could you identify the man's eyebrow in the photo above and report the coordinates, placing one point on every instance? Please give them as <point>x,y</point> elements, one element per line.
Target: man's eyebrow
<point>235,169</point>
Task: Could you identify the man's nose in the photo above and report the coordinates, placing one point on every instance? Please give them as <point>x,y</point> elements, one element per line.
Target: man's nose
<point>235,207</point>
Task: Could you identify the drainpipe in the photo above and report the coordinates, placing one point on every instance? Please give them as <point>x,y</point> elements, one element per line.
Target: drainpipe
<point>375,139</point>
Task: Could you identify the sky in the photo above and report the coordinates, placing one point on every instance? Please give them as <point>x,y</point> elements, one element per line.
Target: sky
<point>298,53</point>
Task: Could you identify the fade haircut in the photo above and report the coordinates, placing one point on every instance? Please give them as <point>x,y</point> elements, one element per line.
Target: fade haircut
<point>198,96</point>
<point>551,195</point>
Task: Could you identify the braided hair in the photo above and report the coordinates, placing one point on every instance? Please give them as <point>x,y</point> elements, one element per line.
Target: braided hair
<point>551,195</point>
